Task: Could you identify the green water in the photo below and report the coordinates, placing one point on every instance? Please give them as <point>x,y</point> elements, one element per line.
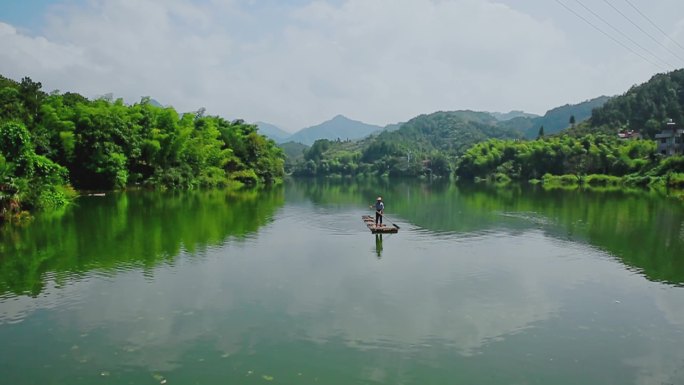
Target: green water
<point>480,286</point>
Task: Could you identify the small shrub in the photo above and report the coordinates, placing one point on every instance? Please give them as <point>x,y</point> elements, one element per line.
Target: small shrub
<point>603,180</point>
<point>52,197</point>
<point>560,180</point>
<point>248,177</point>
<point>501,178</point>
<point>635,180</point>
<point>675,179</point>
<point>213,177</point>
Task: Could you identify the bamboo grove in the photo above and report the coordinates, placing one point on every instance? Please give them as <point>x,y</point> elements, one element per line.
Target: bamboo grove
<point>54,144</point>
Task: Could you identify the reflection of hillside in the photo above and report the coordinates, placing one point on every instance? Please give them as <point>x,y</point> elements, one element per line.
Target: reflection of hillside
<point>132,229</point>
<point>644,230</point>
<point>322,191</point>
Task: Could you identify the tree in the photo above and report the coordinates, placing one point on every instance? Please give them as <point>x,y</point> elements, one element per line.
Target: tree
<point>32,97</point>
<point>439,165</point>
<point>106,144</point>
<point>541,132</point>
<point>572,121</point>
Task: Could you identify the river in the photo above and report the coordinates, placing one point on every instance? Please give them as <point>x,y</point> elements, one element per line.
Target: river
<point>481,285</point>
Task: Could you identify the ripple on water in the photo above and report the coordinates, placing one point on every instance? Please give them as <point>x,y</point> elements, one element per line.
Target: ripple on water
<point>324,220</point>
<point>419,234</point>
<point>60,291</point>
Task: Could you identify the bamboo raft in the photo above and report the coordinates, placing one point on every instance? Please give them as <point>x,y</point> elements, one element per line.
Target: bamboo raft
<point>378,229</point>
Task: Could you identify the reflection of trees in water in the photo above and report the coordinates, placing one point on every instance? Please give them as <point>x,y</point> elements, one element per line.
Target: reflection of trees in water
<point>643,229</point>
<point>135,229</point>
<point>640,228</point>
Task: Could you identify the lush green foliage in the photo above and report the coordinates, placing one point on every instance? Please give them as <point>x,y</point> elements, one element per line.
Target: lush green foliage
<point>432,143</point>
<point>294,153</point>
<point>56,140</point>
<point>426,145</point>
<point>524,160</point>
<point>556,119</point>
<point>592,147</point>
<point>26,176</point>
<point>595,160</point>
<point>646,107</point>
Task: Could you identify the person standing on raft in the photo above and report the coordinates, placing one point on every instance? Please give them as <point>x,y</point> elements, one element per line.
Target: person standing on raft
<point>379,210</point>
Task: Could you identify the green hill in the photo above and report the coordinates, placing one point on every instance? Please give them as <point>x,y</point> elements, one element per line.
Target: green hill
<point>645,107</point>
<point>427,144</point>
<point>555,119</point>
<point>451,132</point>
<point>294,152</point>
<point>591,153</point>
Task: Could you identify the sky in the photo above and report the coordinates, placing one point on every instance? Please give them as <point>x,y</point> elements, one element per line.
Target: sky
<point>296,63</point>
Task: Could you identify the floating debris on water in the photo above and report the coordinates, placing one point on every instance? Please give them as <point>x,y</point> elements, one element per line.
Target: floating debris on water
<point>104,373</point>
<point>267,378</point>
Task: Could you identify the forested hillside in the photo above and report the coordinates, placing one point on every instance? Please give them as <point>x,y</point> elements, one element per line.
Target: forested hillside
<point>448,132</point>
<point>591,152</point>
<point>427,144</point>
<point>50,142</point>
<point>431,143</point>
<point>555,119</point>
<point>645,107</point>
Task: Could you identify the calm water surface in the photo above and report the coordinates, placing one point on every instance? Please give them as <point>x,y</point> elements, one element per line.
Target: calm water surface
<point>480,286</point>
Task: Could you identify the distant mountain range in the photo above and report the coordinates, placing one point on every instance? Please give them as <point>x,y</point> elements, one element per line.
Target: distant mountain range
<point>274,132</point>
<point>555,119</point>
<point>501,116</point>
<point>343,128</point>
<point>339,127</point>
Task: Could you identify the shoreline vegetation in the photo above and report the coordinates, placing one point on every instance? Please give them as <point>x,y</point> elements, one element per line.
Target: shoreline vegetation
<point>54,145</point>
<point>597,161</point>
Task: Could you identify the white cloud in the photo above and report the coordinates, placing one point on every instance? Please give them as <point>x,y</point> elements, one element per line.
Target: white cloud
<point>380,61</point>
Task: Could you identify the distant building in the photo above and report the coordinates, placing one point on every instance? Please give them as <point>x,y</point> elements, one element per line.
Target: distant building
<point>671,140</point>
<point>629,134</point>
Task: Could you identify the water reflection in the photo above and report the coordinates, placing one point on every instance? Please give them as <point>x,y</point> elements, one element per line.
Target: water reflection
<point>479,286</point>
<point>378,245</point>
<point>246,306</point>
<point>120,231</point>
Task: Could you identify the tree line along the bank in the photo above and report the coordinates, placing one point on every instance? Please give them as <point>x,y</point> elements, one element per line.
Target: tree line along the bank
<point>593,159</point>
<point>51,144</point>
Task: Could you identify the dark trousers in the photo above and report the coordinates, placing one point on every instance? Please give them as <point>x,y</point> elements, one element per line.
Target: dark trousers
<point>378,217</point>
